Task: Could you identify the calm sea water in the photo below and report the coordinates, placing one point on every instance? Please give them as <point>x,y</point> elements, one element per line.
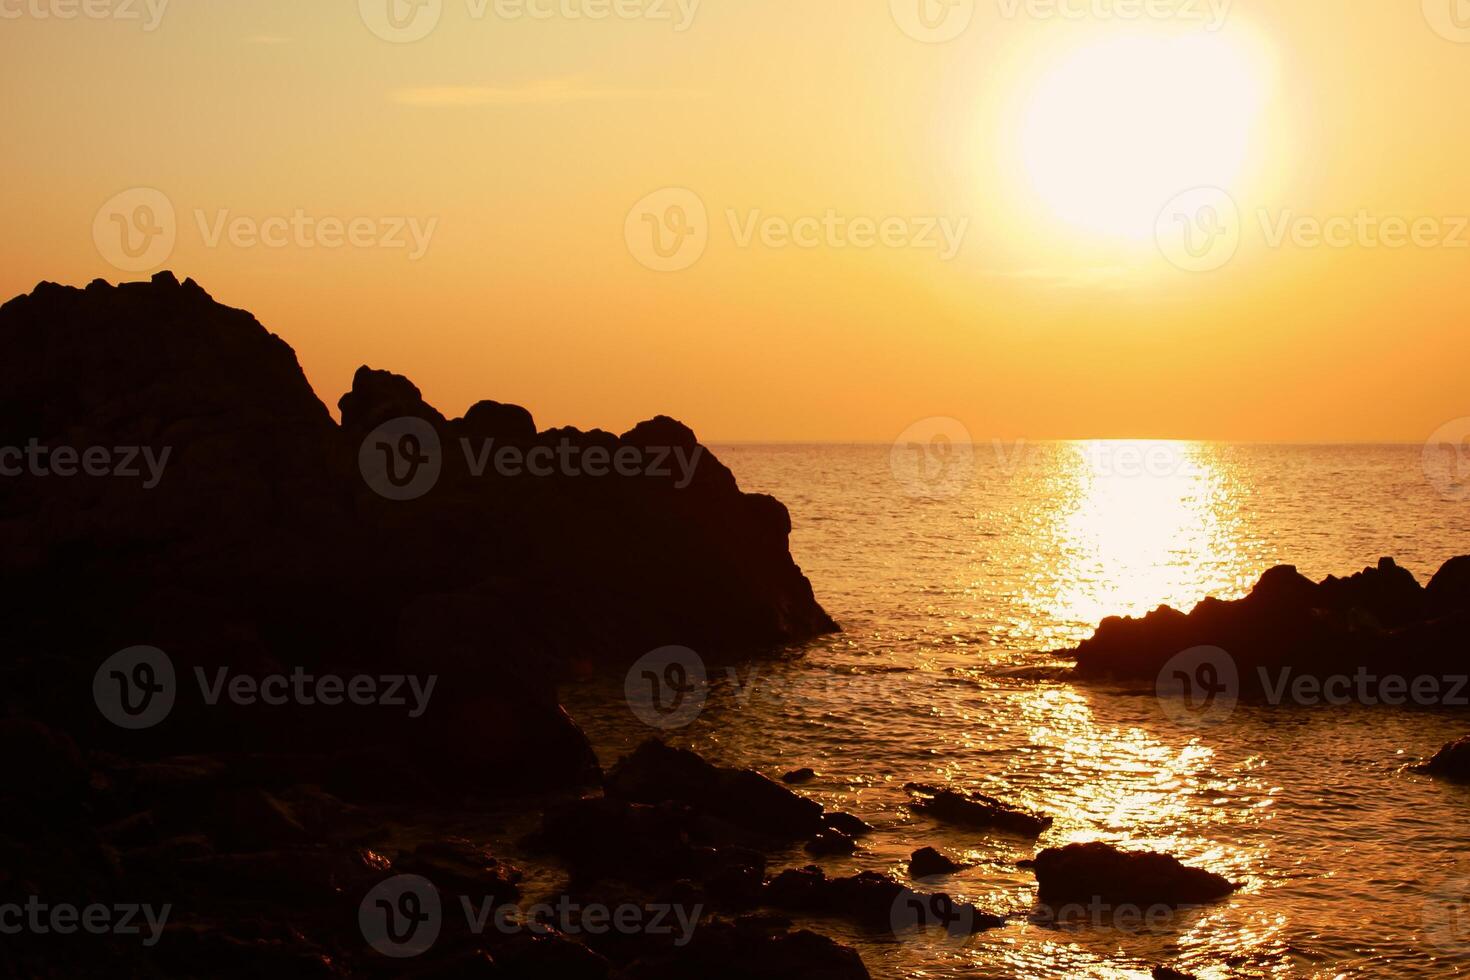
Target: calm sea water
<point>953,575</point>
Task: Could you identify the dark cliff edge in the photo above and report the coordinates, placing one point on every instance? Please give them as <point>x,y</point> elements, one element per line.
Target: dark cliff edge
<point>266,543</point>
<point>261,672</point>
<point>1380,621</point>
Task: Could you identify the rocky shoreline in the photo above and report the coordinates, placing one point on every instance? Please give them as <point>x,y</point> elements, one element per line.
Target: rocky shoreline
<point>270,677</point>
<point>1378,623</point>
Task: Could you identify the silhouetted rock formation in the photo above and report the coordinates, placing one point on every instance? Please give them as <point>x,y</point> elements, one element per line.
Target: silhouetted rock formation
<point>875,901</point>
<point>1452,761</point>
<point>741,799</point>
<point>1380,619</point>
<point>927,862</point>
<point>170,480</point>
<point>1098,872</point>
<point>263,546</point>
<point>972,809</point>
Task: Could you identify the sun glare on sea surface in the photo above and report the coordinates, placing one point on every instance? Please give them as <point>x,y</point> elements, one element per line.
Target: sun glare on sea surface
<point>1117,128</point>
<point>1145,523</point>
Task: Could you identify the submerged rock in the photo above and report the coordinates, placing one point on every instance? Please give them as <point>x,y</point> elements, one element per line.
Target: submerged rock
<point>1452,761</point>
<point>752,948</point>
<point>1169,973</point>
<point>927,862</point>
<point>804,775</point>
<point>1099,872</point>
<point>972,809</point>
<point>657,773</point>
<point>874,901</point>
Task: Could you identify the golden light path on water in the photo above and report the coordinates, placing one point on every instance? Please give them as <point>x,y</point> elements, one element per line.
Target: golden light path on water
<point>952,605</point>
<point>1140,524</point>
<point>1131,526</point>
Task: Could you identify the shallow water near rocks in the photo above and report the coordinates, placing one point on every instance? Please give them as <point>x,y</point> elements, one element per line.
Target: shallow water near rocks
<point>1351,866</point>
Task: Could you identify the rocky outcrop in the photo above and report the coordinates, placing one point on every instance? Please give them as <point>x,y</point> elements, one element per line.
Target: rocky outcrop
<point>742,799</point>
<point>240,528</point>
<point>344,663</point>
<point>1098,872</point>
<point>1380,619</point>
<point>1452,761</point>
<point>927,862</point>
<point>973,809</point>
<point>874,901</point>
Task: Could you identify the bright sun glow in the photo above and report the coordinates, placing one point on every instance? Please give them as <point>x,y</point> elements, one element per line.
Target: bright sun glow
<point>1120,127</point>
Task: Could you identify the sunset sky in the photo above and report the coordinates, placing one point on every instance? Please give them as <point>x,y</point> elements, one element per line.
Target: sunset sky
<point>1050,148</point>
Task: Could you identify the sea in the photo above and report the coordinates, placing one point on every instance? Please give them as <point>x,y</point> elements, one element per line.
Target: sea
<point>958,571</point>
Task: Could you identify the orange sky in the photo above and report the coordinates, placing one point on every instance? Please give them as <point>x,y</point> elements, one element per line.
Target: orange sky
<point>882,222</point>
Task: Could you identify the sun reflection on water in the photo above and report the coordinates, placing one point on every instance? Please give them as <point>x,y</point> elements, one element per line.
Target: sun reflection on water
<point>1138,524</point>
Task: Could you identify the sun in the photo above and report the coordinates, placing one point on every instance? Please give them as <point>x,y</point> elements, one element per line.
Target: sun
<point>1116,129</point>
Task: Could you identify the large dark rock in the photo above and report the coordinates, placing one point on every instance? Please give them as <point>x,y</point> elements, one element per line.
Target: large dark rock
<point>1452,761</point>
<point>1380,619</point>
<point>973,809</point>
<point>928,862</point>
<point>1098,872</point>
<point>657,773</point>
<point>749,949</point>
<point>257,545</point>
<point>874,901</point>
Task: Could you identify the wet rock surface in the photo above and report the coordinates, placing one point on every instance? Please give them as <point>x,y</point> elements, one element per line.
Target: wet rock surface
<point>1380,619</point>
<point>1450,762</point>
<point>927,862</point>
<point>1099,872</point>
<point>973,809</point>
<point>244,536</point>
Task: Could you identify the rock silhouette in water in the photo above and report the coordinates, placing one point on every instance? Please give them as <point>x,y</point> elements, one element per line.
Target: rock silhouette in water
<point>259,546</point>
<point>1452,761</point>
<point>1380,619</point>
<point>1098,872</point>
